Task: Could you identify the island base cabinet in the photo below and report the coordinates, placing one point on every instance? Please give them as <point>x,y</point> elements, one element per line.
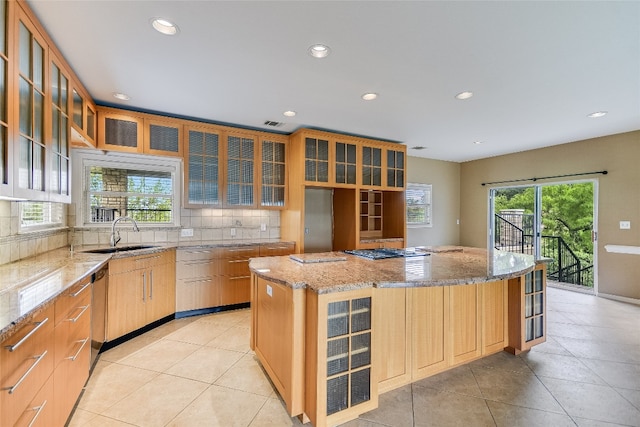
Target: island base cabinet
<point>495,311</point>
<point>465,323</point>
<point>430,341</point>
<point>340,378</point>
<point>393,337</point>
<point>278,319</point>
<point>527,310</point>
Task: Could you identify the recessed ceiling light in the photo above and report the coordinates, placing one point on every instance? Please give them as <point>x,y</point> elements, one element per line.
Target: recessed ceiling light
<point>597,114</point>
<point>164,26</point>
<point>121,96</point>
<point>464,95</point>
<point>478,142</point>
<point>289,113</point>
<point>370,96</point>
<point>419,147</point>
<point>319,51</point>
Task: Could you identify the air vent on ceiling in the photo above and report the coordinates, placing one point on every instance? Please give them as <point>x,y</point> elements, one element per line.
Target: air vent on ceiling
<point>418,147</point>
<point>273,123</point>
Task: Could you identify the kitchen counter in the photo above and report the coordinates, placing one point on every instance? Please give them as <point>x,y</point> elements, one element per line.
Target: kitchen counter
<point>439,267</point>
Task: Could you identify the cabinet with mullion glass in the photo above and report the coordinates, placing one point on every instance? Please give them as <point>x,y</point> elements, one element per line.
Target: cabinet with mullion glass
<point>6,149</point>
<point>272,187</point>
<point>345,163</point>
<point>316,160</point>
<point>395,168</point>
<point>527,310</point>
<point>371,166</point>
<point>60,179</point>
<point>240,186</point>
<point>31,148</point>
<point>203,167</point>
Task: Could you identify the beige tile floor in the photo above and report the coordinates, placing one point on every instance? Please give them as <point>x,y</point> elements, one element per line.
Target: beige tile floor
<point>199,371</point>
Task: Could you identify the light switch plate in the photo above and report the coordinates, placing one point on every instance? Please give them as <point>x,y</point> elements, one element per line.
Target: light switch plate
<point>625,225</point>
<point>233,232</point>
<point>263,227</point>
<point>186,232</point>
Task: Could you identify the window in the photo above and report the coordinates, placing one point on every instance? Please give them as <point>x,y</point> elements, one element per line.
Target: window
<point>40,215</point>
<point>144,188</point>
<point>419,205</point>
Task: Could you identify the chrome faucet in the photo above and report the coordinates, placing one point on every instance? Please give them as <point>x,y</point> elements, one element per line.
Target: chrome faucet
<point>115,235</point>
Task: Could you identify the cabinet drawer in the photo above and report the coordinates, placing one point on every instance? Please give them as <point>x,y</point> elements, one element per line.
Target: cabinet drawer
<point>198,254</point>
<point>235,268</point>
<point>73,333</point>
<point>68,379</point>
<point>235,290</point>
<point>197,269</point>
<point>39,411</point>
<point>124,265</point>
<point>276,249</point>
<point>24,370</point>
<point>74,297</point>
<point>244,252</point>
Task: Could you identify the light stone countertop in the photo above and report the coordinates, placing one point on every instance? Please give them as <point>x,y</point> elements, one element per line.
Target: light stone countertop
<point>453,266</point>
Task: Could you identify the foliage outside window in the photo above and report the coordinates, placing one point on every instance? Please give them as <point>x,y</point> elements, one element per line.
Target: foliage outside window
<point>419,208</point>
<point>40,215</point>
<point>146,196</point>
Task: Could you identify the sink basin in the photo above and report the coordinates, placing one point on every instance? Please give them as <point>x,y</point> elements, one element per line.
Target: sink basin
<point>119,249</point>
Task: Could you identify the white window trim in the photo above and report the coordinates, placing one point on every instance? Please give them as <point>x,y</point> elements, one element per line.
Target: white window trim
<point>86,158</point>
<point>45,226</point>
<point>423,187</point>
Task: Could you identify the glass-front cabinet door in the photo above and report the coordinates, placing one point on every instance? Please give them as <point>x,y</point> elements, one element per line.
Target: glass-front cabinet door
<point>371,166</point>
<point>31,156</point>
<point>60,179</point>
<point>345,164</point>
<point>5,148</point>
<point>240,187</point>
<point>202,167</point>
<point>273,180</point>
<point>316,160</point>
<point>395,168</point>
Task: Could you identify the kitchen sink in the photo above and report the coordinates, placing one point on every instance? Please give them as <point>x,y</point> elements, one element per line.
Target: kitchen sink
<point>119,249</point>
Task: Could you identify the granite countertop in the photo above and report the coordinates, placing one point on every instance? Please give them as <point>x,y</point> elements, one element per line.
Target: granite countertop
<point>453,266</point>
<point>30,285</point>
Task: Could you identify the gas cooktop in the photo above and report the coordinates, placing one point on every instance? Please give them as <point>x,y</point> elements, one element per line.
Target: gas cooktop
<point>384,253</point>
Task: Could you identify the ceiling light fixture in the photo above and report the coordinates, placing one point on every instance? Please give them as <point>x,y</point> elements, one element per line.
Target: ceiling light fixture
<point>121,96</point>
<point>370,96</point>
<point>289,113</point>
<point>478,142</point>
<point>319,51</point>
<point>464,95</point>
<point>597,114</point>
<point>164,26</point>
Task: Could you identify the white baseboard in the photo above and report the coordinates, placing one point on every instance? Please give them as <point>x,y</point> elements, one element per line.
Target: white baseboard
<point>619,298</point>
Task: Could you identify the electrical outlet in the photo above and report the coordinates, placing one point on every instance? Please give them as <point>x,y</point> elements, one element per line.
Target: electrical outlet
<point>263,227</point>
<point>306,230</point>
<point>625,225</point>
<point>269,290</point>
<point>233,232</point>
<point>186,232</point>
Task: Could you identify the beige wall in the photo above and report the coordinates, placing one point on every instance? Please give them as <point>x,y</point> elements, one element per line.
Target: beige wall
<point>445,179</point>
<point>619,197</point>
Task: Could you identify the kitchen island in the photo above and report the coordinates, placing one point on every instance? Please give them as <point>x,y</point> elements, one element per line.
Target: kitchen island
<point>334,330</point>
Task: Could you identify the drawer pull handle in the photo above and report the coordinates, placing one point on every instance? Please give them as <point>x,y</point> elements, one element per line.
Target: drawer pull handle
<point>75,356</point>
<point>39,410</point>
<point>75,319</point>
<point>239,277</point>
<point>198,281</point>
<point>241,250</point>
<point>150,285</point>
<point>81,290</point>
<point>26,337</point>
<point>148,258</point>
<point>239,260</point>
<point>275,248</point>
<point>198,252</point>
<point>26,374</point>
<point>144,287</point>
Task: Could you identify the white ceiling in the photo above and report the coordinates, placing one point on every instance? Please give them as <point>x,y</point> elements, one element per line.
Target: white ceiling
<point>536,68</point>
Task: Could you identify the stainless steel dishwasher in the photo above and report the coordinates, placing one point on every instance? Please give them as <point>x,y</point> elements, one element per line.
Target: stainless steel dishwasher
<point>98,312</point>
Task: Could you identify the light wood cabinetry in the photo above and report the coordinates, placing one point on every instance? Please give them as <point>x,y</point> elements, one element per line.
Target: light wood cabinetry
<point>203,170</point>
<point>370,213</point>
<point>83,125</point>
<point>495,309</point>
<point>527,310</point>
<point>430,338</point>
<point>278,336</point>
<point>6,114</point>
<point>393,334</point>
<point>163,136</point>
<point>273,172</point>
<point>60,147</point>
<point>396,168</point>
<point>235,287</point>
<point>26,364</point>
<point>465,322</point>
<point>346,163</point>
<point>277,249</point>
<point>341,380</point>
<point>72,334</point>
<point>371,167</point>
<point>140,290</point>
<point>240,188</point>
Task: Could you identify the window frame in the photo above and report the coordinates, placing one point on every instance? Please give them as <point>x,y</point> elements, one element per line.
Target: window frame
<point>84,159</point>
<point>59,223</point>
<point>425,188</point>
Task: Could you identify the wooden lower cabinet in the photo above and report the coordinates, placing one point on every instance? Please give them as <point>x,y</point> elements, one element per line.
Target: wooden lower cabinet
<point>527,310</point>
<point>430,339</point>
<point>495,311</point>
<point>393,337</point>
<point>140,290</point>
<point>465,322</point>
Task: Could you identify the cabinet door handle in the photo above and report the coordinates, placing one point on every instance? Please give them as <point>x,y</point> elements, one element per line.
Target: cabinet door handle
<point>81,290</point>
<point>241,250</point>
<point>239,277</point>
<point>26,374</point>
<point>26,337</point>
<point>147,258</point>
<point>144,287</point>
<point>75,356</point>
<point>38,410</point>
<point>75,319</point>
<point>238,260</point>
<point>151,285</point>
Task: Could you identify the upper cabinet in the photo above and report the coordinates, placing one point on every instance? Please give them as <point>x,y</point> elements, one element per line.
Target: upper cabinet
<point>203,172</point>
<point>316,160</point>
<point>273,178</point>
<point>130,132</point>
<point>36,109</point>
<point>395,168</point>
<point>83,125</point>
<point>241,163</point>
<point>371,168</point>
<point>346,163</point>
